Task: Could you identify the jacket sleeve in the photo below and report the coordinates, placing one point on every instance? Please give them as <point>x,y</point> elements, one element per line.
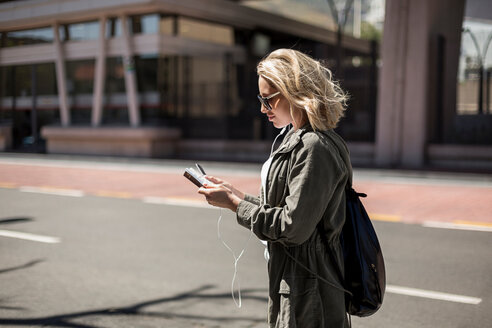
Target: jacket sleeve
<point>252,199</point>
<point>315,174</point>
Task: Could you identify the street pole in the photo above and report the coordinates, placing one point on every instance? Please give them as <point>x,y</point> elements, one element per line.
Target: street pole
<point>480,68</point>
<point>487,90</point>
<point>34,113</point>
<point>481,61</point>
<point>340,23</point>
<point>487,75</point>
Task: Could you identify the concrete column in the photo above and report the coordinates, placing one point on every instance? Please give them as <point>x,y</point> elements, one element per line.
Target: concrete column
<point>99,76</point>
<point>416,91</point>
<point>392,84</point>
<point>130,77</point>
<point>61,78</point>
<point>407,90</point>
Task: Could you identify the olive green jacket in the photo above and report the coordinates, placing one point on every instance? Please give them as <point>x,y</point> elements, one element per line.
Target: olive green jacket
<point>305,185</point>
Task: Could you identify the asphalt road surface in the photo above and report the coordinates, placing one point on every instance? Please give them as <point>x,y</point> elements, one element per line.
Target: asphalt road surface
<point>88,261</point>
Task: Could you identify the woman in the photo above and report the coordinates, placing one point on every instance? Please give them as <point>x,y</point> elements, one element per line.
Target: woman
<point>301,208</point>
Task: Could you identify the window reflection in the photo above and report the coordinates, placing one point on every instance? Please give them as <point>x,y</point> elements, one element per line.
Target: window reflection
<point>27,37</point>
<point>475,69</point>
<point>80,83</point>
<point>115,104</point>
<point>80,31</point>
<point>145,24</point>
<point>18,96</point>
<point>113,27</point>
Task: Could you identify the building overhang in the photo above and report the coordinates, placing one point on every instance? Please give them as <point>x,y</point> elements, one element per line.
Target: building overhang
<point>34,13</point>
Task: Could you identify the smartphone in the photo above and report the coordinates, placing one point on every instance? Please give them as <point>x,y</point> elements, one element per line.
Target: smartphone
<point>197,176</point>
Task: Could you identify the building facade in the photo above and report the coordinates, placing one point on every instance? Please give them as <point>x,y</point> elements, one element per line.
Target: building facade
<point>181,74</point>
<point>176,79</point>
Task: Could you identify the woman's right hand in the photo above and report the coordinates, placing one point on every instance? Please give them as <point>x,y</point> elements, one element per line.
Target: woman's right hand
<point>226,184</point>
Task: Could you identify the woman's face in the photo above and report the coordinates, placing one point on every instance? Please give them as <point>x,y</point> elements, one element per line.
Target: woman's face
<point>280,113</point>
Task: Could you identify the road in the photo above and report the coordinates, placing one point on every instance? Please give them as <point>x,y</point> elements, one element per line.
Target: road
<point>112,259</point>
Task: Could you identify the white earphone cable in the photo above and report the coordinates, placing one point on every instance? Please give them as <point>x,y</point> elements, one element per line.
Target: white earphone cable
<point>236,260</point>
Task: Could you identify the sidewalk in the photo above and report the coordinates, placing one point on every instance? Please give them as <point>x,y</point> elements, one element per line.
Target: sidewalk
<point>399,196</point>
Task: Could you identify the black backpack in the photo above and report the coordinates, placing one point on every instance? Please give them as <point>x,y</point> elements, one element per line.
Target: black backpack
<point>365,275</point>
<point>364,280</point>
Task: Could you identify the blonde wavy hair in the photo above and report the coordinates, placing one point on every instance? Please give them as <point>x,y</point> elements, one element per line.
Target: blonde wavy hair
<point>307,85</point>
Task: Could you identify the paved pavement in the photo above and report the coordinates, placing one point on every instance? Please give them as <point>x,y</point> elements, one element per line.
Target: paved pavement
<point>401,196</point>
<point>123,257</point>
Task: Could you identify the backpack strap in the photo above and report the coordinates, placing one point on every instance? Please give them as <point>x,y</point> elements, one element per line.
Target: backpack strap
<point>336,140</point>
<point>344,153</point>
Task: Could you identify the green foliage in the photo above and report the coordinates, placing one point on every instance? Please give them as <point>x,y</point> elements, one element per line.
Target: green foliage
<point>370,32</point>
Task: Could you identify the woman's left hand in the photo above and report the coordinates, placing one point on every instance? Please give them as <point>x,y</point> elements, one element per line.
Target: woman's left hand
<point>221,196</point>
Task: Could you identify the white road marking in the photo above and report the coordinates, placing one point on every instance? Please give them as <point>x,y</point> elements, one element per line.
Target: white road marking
<point>456,226</point>
<point>29,236</point>
<point>176,202</point>
<point>433,295</point>
<point>53,191</point>
<point>163,166</point>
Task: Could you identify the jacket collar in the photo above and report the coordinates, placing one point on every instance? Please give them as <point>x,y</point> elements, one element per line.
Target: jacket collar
<point>294,137</point>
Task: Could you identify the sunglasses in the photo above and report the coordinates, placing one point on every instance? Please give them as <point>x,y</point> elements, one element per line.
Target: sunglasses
<point>264,100</point>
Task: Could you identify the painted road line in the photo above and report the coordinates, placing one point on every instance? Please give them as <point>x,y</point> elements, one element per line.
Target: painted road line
<point>113,194</point>
<point>456,226</point>
<point>53,191</point>
<point>176,202</point>
<point>8,185</point>
<point>29,236</point>
<point>384,217</point>
<point>432,295</point>
<point>473,223</point>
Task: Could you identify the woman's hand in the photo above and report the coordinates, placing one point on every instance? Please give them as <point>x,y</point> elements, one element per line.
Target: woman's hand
<point>221,193</point>
<point>226,184</point>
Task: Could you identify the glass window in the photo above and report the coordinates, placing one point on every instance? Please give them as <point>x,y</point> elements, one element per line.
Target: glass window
<point>146,72</point>
<point>150,24</point>
<point>115,104</point>
<point>475,69</point>
<point>115,75</point>
<point>151,109</point>
<point>364,19</point>
<point>145,24</point>
<point>80,31</point>
<point>27,37</point>
<point>17,98</point>
<point>113,27</point>
<point>46,75</point>
<point>470,122</point>
<point>80,83</point>
<point>21,83</point>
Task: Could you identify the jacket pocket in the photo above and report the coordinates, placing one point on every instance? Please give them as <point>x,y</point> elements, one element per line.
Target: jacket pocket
<point>300,303</point>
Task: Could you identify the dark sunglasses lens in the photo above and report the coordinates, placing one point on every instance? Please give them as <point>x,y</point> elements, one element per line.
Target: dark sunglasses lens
<point>264,102</point>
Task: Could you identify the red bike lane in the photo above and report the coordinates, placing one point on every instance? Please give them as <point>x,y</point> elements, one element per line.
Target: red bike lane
<point>387,200</point>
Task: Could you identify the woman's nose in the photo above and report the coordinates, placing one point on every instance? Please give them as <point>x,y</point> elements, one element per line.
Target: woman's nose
<point>263,109</point>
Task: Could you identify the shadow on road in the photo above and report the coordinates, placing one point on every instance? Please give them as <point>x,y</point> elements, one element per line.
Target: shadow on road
<point>64,320</point>
<point>24,266</point>
<point>15,220</point>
